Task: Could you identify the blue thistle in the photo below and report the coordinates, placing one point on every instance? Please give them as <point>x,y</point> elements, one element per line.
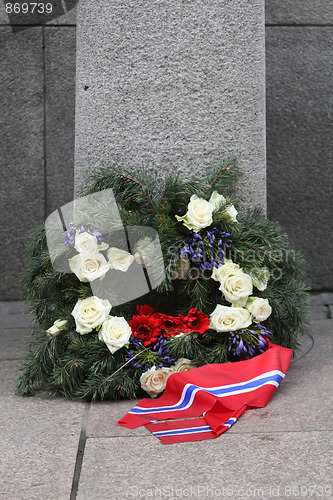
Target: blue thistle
<point>207,251</point>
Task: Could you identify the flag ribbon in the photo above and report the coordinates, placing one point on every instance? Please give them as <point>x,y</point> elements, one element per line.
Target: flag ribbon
<point>205,402</point>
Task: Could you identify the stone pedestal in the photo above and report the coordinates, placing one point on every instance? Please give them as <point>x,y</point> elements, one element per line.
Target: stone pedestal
<point>173,84</point>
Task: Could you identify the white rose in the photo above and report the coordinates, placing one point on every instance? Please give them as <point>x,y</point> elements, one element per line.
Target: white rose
<point>229,319</point>
<point>182,365</point>
<point>217,200</point>
<point>261,282</point>
<point>119,259</point>
<point>154,381</point>
<point>231,213</point>
<point>198,215</point>
<point>90,313</point>
<point>236,286</point>
<point>223,269</point>
<point>89,266</point>
<point>115,332</point>
<point>259,308</point>
<point>58,326</point>
<point>86,242</point>
<point>144,250</point>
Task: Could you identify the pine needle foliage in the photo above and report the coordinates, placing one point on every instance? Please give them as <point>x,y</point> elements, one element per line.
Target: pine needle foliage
<point>81,366</point>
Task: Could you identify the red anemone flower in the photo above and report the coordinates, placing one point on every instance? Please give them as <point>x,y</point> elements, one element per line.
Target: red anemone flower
<point>171,325</point>
<point>146,328</point>
<point>145,310</point>
<point>196,321</point>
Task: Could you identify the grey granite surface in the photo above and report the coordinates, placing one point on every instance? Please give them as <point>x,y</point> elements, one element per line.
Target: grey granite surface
<point>59,449</point>
<point>172,85</point>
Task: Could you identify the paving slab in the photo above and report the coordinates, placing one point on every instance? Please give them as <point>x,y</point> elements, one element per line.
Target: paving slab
<point>37,465</point>
<point>279,451</point>
<point>14,314</point>
<point>12,307</point>
<point>319,312</point>
<point>39,440</point>
<point>295,392</point>
<point>330,307</point>
<point>304,399</point>
<point>15,321</point>
<point>323,298</point>
<point>14,343</point>
<point>118,468</point>
<point>103,418</point>
<point>37,412</point>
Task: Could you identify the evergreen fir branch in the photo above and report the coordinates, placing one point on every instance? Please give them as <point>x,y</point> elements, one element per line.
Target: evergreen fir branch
<point>216,350</point>
<point>223,177</point>
<point>95,389</point>
<point>125,185</point>
<point>187,346</point>
<point>81,366</point>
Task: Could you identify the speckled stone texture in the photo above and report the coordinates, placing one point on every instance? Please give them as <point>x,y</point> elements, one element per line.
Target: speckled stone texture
<point>60,125</point>
<point>299,12</point>
<point>299,142</point>
<point>37,77</point>
<point>173,85</point>
<point>22,162</point>
<point>281,451</point>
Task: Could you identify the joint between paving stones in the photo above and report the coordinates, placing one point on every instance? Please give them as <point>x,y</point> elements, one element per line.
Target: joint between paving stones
<point>80,452</point>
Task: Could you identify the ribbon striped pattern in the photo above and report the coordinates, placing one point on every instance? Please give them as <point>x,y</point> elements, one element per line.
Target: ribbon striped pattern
<point>273,377</point>
<point>217,406</point>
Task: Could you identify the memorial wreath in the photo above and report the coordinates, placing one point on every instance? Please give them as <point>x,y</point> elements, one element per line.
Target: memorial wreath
<point>145,277</point>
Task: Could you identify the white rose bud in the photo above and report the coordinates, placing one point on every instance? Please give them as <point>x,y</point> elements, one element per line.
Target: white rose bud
<point>231,213</point>
<point>90,313</point>
<point>89,266</point>
<point>217,200</point>
<point>259,309</point>
<point>261,282</point>
<point>229,319</point>
<point>182,365</point>
<point>120,260</point>
<point>154,381</point>
<point>86,242</point>
<point>198,215</point>
<point>236,286</point>
<point>58,326</point>
<point>115,332</point>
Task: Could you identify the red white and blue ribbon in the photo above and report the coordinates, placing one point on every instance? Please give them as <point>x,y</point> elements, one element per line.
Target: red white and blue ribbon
<point>205,402</point>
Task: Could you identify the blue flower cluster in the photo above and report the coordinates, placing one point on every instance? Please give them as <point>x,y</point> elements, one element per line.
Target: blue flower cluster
<point>207,251</point>
<point>157,356</point>
<point>248,343</point>
<point>69,235</point>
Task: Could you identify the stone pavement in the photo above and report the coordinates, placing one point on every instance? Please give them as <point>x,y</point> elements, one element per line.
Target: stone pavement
<point>58,449</point>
